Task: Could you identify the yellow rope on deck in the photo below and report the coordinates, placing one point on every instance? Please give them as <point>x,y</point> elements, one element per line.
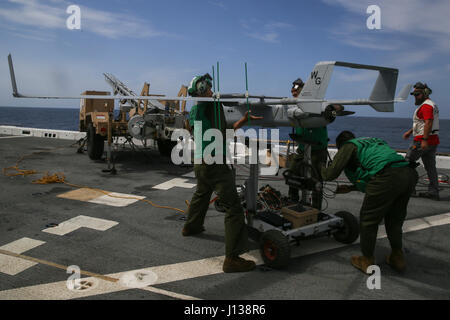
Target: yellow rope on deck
<point>59,177</point>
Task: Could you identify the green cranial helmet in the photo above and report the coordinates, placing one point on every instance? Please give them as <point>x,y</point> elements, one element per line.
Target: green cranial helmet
<point>199,85</point>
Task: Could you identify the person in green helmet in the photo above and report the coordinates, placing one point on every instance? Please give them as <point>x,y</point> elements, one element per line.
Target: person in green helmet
<point>387,180</point>
<point>319,152</point>
<point>216,177</point>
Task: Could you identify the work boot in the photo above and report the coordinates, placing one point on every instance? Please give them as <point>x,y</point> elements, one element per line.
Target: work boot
<point>237,264</point>
<point>396,260</point>
<point>429,195</point>
<point>362,263</point>
<point>186,232</point>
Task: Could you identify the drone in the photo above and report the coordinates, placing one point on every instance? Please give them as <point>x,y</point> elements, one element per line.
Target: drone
<point>309,110</point>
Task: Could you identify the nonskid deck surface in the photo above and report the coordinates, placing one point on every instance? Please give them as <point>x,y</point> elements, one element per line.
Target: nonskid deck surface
<point>127,248</point>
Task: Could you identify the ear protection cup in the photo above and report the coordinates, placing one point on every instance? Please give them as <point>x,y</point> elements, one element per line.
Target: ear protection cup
<point>424,87</point>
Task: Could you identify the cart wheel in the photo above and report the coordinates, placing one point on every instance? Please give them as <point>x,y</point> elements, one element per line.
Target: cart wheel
<point>95,143</point>
<point>218,206</point>
<point>275,249</point>
<point>349,232</point>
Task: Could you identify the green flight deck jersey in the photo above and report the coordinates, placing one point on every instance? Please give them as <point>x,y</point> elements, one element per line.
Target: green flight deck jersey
<point>319,135</point>
<point>205,113</point>
<point>361,159</point>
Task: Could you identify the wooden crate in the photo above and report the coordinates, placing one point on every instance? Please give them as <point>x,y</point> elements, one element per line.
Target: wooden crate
<point>300,218</point>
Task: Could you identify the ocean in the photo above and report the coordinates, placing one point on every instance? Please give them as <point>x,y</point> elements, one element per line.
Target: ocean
<point>388,129</point>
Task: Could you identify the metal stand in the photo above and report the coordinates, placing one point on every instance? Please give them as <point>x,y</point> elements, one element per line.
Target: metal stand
<point>111,167</point>
<point>307,193</point>
<point>251,188</point>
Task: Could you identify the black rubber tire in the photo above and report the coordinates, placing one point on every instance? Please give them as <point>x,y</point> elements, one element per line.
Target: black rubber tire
<point>350,231</point>
<point>275,249</point>
<point>95,143</point>
<point>165,147</point>
<point>218,206</point>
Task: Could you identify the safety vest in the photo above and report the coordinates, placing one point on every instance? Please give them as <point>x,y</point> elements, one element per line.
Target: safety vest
<point>419,124</point>
<point>373,155</point>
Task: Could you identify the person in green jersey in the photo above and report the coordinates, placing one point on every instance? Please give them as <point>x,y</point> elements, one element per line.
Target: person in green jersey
<point>216,177</point>
<point>387,180</point>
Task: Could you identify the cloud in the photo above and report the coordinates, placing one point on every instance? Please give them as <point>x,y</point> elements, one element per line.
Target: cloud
<point>414,18</point>
<point>218,4</point>
<point>34,14</point>
<point>413,57</point>
<point>268,32</point>
<point>410,16</point>
<point>370,43</point>
<point>51,14</point>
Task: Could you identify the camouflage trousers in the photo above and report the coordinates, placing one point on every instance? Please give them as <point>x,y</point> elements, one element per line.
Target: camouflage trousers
<point>219,178</point>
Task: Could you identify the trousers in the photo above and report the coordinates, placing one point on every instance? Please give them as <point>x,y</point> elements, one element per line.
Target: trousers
<point>387,196</point>
<point>428,157</point>
<point>219,178</point>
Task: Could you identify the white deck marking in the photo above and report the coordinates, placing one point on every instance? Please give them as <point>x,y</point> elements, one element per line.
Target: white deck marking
<point>177,182</point>
<point>198,268</point>
<point>12,265</point>
<point>81,222</point>
<point>96,196</point>
<point>110,200</point>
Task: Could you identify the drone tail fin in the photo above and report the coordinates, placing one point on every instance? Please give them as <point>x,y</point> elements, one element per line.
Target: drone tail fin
<point>384,90</point>
<point>317,84</point>
<point>403,96</point>
<point>13,77</point>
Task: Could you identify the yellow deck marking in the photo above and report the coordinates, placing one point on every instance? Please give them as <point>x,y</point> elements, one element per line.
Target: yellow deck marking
<point>101,197</point>
<point>83,194</point>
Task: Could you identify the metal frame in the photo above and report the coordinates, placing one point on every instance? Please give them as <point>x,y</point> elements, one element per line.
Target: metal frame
<point>327,226</point>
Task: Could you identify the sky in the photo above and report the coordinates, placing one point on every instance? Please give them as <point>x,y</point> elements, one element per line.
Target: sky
<point>167,43</point>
